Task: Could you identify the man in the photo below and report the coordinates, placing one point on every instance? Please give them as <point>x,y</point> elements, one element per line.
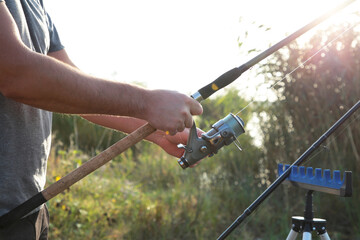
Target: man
<point>37,78</point>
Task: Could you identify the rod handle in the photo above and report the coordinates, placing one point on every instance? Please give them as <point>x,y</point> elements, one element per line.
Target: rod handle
<point>76,175</point>
<point>26,207</point>
<point>98,161</point>
<point>219,83</point>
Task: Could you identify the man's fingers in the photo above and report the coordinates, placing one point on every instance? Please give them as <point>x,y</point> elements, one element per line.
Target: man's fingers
<point>174,114</point>
<point>195,108</point>
<point>181,128</point>
<point>189,121</point>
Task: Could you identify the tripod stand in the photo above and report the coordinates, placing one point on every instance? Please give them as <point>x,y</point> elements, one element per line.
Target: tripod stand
<point>308,223</point>
<point>320,181</point>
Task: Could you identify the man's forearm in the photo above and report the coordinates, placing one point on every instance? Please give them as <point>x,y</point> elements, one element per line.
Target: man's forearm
<point>44,82</point>
<point>49,84</point>
<point>123,124</point>
<point>127,125</point>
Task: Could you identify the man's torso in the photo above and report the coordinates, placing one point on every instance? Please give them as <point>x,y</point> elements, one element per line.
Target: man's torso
<point>25,131</point>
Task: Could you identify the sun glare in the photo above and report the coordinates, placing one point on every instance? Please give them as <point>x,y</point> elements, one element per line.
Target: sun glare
<point>202,38</point>
<point>318,8</point>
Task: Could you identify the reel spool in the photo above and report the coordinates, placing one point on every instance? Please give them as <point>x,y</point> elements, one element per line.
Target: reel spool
<point>222,133</point>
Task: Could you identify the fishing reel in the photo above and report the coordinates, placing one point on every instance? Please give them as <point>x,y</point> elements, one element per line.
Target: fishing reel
<point>222,133</point>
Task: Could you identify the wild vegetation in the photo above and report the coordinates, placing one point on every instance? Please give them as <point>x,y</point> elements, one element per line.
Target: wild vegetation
<point>144,194</point>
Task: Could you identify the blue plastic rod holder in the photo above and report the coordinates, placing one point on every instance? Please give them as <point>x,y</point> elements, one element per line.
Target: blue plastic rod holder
<point>319,180</point>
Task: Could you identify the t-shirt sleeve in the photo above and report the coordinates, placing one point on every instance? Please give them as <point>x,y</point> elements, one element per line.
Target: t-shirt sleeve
<point>55,43</point>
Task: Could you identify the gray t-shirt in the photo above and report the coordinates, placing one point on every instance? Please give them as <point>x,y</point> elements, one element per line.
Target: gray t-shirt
<point>25,131</point>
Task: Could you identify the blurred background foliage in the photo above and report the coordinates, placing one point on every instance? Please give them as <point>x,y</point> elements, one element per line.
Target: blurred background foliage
<point>144,194</point>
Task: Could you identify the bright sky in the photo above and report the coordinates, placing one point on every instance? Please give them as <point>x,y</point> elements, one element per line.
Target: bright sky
<point>180,45</point>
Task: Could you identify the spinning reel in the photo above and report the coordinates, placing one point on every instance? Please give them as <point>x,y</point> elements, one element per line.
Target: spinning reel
<point>222,133</point>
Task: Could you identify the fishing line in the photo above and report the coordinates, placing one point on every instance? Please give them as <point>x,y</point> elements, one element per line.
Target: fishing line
<point>308,161</point>
<point>317,52</point>
<point>325,147</point>
<point>301,65</point>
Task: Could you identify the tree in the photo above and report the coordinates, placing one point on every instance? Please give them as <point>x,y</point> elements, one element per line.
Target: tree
<point>309,101</point>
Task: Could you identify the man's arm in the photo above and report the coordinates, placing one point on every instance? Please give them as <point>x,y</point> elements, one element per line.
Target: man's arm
<point>128,124</point>
<point>45,82</point>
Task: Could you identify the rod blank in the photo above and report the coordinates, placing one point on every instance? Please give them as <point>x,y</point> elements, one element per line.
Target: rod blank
<point>287,172</point>
<point>234,73</point>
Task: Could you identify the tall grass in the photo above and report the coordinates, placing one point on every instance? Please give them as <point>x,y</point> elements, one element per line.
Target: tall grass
<point>152,199</point>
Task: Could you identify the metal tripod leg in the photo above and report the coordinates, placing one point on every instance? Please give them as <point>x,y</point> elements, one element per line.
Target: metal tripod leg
<point>296,227</point>
<point>306,236</point>
<point>320,226</point>
<point>324,236</point>
<point>292,235</point>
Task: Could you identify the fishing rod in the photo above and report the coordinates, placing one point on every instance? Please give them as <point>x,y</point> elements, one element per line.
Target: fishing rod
<point>222,133</point>
<point>281,178</point>
<point>201,150</point>
<point>234,73</point>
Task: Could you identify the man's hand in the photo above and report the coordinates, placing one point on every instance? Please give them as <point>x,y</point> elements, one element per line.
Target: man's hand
<point>170,111</point>
<point>169,143</point>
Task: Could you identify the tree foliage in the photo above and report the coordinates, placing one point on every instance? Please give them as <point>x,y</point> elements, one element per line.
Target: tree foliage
<point>310,100</point>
